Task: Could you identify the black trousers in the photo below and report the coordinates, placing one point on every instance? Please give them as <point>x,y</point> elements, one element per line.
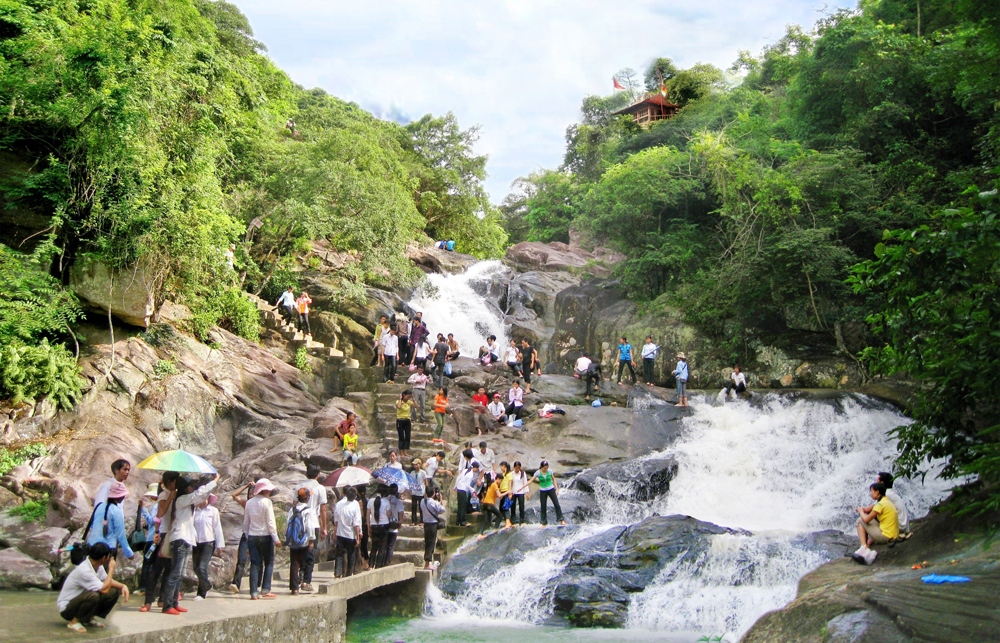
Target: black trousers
<point>518,506</point>
<point>489,511</point>
<point>516,411</point>
<point>404,429</point>
<point>87,605</point>
<point>739,387</point>
<point>463,505</point>
<point>379,533</point>
<point>159,572</point>
<point>297,558</point>
<point>593,380</point>
<point>310,560</point>
<point>417,511</point>
<point>647,369</point>
<point>430,540</point>
<point>349,548</point>
<point>390,548</point>
<point>550,494</point>
<point>389,372</point>
<point>622,363</point>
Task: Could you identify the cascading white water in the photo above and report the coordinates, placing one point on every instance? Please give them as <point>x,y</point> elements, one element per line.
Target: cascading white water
<point>779,468</point>
<point>451,305</point>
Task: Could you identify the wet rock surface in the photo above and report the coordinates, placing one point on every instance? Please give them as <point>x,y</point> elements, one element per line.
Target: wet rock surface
<point>639,480</point>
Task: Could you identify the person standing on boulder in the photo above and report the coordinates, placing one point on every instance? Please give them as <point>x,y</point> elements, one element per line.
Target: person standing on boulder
<point>418,382</point>
<point>681,373</point>
<point>548,489</point>
<point>649,351</point>
<point>529,360</point>
<point>625,360</point>
<point>519,487</point>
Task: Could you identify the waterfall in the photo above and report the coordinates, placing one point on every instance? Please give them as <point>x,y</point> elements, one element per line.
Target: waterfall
<point>460,304</point>
<point>780,467</point>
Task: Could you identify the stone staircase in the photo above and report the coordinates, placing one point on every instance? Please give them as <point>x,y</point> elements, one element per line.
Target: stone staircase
<point>298,339</point>
<point>422,444</point>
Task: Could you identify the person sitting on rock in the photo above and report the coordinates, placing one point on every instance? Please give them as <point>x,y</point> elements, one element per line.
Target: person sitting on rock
<point>89,591</point>
<point>453,351</point>
<point>491,349</point>
<point>737,384</point>
<point>351,452</point>
<point>345,427</point>
<point>876,523</point>
<point>287,305</point>
<point>887,479</point>
<point>513,358</point>
<point>498,411</point>
<point>515,402</point>
<point>479,404</point>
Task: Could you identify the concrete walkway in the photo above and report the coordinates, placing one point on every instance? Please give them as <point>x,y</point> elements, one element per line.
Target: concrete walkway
<point>32,617</point>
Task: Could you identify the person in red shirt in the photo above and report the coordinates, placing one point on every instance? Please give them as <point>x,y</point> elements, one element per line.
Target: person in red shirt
<point>479,402</point>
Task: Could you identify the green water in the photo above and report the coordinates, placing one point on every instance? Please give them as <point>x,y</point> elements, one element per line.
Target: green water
<point>427,630</point>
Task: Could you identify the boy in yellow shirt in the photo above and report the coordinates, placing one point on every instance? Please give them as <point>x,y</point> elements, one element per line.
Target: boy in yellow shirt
<point>877,523</point>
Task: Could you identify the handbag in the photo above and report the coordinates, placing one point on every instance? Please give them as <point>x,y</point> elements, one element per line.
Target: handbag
<point>79,550</point>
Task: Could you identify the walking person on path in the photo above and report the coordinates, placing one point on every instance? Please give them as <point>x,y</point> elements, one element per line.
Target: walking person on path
<point>182,535</point>
<point>262,538</point>
<point>243,550</point>
<point>418,382</point>
<point>390,352</point>
<point>319,496</point>
<point>681,373</point>
<point>416,495</point>
<point>378,519</point>
<point>120,470</point>
<point>299,537</point>
<point>529,361</point>
<point>208,530</point>
<point>649,351</point>
<point>160,553</point>
<point>548,489</point>
<point>287,305</point>
<point>302,306</point>
<point>625,360</point>
<point>348,529</point>
<point>395,512</point>
<point>404,427</point>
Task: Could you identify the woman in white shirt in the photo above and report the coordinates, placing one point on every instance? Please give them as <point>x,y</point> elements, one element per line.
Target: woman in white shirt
<point>516,401</point>
<point>182,535</point>
<point>519,485</point>
<point>208,528</point>
<point>394,461</point>
<point>262,538</point>
<point>513,358</point>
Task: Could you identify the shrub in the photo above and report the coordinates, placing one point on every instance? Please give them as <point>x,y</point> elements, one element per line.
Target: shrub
<point>10,458</point>
<point>32,510</point>
<point>27,372</point>
<point>302,361</point>
<point>230,310</point>
<point>165,368</point>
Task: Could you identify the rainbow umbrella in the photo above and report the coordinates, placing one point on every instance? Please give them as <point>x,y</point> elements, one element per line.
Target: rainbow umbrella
<point>177,460</point>
<point>348,477</point>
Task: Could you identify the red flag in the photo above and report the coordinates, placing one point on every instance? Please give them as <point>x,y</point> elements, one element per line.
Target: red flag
<point>617,84</point>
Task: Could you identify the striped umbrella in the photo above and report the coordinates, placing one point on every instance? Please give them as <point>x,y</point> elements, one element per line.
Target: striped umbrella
<point>348,477</point>
<point>177,460</point>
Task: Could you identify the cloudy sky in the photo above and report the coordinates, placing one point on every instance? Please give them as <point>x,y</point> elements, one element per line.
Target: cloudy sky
<point>517,68</point>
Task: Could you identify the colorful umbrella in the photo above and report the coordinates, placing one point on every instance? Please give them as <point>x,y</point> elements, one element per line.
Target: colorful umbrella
<point>177,460</point>
<point>398,477</point>
<point>348,477</point>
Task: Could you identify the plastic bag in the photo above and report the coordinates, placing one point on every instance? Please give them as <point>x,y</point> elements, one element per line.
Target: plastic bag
<point>596,403</point>
<point>518,424</point>
<point>447,368</point>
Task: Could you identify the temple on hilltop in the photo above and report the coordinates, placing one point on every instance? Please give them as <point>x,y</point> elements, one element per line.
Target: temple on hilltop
<point>649,108</point>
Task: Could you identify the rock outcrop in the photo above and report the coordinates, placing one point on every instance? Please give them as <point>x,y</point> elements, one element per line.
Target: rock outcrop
<point>128,294</point>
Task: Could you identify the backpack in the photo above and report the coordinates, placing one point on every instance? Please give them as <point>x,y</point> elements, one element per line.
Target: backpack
<point>296,535</point>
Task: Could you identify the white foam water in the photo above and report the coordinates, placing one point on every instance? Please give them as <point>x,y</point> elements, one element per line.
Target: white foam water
<point>450,304</point>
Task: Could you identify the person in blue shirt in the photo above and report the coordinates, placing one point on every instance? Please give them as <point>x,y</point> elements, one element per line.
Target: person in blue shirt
<point>113,534</point>
<point>146,521</point>
<point>625,359</point>
<point>681,373</point>
<point>451,244</point>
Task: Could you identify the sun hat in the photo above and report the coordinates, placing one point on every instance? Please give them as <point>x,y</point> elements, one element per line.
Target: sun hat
<point>496,395</point>
<point>117,490</point>
<point>151,491</point>
<point>263,485</point>
<point>681,355</point>
<point>212,498</point>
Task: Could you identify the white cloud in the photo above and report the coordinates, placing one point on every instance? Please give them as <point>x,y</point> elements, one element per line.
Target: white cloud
<point>518,68</point>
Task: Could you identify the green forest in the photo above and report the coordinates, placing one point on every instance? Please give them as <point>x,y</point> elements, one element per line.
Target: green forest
<point>841,182</point>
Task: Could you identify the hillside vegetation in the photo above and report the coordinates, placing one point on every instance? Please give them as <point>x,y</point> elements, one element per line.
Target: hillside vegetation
<point>844,174</point>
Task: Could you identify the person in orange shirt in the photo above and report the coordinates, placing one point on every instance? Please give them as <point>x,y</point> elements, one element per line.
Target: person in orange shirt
<point>490,509</point>
<point>302,306</point>
<point>440,408</point>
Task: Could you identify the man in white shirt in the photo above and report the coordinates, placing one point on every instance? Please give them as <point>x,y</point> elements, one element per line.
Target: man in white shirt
<point>649,351</point>
<point>465,486</point>
<point>316,523</point>
<point>89,591</point>
<point>390,350</point>
<point>498,410</point>
<point>119,473</point>
<point>287,304</point>
<point>487,458</point>
<point>348,517</point>
<point>738,383</point>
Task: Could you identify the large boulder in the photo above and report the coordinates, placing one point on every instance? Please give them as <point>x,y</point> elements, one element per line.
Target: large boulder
<point>558,256</point>
<point>20,571</point>
<point>431,259</point>
<point>128,294</point>
<point>636,480</point>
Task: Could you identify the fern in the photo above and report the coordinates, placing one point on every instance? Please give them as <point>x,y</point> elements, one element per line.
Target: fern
<point>33,305</point>
<point>29,372</point>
